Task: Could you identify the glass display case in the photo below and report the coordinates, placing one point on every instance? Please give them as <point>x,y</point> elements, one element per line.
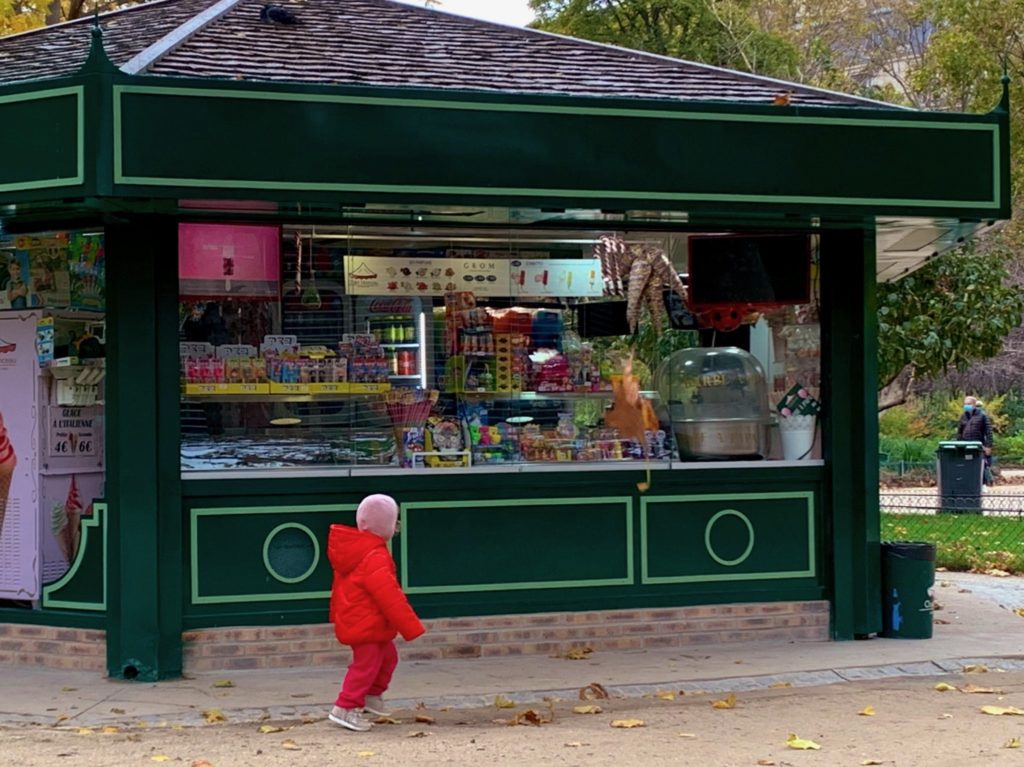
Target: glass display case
<point>716,402</point>
<point>372,348</point>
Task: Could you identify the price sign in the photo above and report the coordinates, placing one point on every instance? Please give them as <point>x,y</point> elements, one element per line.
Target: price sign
<point>231,351</point>
<point>195,349</point>
<point>72,432</point>
<point>279,343</point>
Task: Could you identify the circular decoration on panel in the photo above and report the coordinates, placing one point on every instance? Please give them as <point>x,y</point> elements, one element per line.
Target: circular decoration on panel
<point>750,537</point>
<point>291,552</point>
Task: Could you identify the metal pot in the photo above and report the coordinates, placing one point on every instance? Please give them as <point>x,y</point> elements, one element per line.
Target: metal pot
<point>723,438</point>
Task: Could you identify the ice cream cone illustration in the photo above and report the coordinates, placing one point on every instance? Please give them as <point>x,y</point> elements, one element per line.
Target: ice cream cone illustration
<point>8,460</point>
<point>65,522</point>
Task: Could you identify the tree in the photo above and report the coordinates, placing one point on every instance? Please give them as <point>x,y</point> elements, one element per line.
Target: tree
<point>22,15</point>
<point>955,311</point>
<point>719,32</point>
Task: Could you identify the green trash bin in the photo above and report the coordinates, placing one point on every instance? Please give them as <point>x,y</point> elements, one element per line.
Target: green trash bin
<point>961,469</point>
<point>908,576</point>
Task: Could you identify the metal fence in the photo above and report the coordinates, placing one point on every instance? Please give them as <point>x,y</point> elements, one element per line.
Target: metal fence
<point>984,533</point>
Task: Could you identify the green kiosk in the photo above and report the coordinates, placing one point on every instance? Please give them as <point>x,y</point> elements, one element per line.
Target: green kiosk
<point>602,322</point>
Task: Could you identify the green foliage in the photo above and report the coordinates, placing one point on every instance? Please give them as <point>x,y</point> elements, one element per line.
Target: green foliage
<point>905,421</point>
<point>909,450</point>
<point>1010,449</point>
<point>723,33</point>
<point>962,541</point>
<point>955,311</point>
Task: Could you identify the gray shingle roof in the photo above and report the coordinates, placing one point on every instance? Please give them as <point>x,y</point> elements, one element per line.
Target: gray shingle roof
<point>384,43</point>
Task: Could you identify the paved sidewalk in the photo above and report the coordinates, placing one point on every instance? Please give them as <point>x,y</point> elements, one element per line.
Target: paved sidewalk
<point>981,628</point>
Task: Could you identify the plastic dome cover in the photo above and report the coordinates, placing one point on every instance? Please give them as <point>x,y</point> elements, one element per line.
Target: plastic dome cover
<point>712,384</point>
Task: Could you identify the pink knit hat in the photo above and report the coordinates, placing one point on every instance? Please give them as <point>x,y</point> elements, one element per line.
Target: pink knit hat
<point>377,514</point>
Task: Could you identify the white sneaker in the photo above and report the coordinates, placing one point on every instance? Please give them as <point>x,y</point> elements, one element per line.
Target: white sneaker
<point>349,718</point>
<point>374,704</point>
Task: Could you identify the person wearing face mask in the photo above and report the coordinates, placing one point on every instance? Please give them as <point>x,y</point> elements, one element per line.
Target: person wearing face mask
<point>975,426</point>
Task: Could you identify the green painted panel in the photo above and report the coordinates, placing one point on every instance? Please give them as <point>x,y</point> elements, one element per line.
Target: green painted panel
<point>486,545</point>
<point>48,129</point>
<point>262,554</point>
<point>84,585</point>
<point>585,150</point>
<point>739,536</point>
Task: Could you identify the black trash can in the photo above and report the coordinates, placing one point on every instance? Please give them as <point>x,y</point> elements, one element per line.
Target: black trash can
<point>961,469</point>
<point>908,576</point>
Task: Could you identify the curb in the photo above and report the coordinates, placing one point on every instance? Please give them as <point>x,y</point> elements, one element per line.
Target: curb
<point>316,711</point>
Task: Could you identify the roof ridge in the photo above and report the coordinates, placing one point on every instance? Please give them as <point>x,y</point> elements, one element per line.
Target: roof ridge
<point>180,34</point>
<point>669,60</point>
<point>90,19</point>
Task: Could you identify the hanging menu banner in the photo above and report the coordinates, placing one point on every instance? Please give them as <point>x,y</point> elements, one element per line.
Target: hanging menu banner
<point>474,271</point>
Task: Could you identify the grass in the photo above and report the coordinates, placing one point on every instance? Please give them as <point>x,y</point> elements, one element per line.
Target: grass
<point>963,541</point>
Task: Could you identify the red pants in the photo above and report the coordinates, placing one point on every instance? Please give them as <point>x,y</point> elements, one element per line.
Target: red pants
<point>369,673</point>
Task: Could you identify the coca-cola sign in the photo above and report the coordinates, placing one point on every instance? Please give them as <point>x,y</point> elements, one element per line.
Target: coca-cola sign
<point>390,306</point>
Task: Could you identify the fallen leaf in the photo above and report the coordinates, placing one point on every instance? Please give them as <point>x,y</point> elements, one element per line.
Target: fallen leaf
<point>943,687</point>
<point>266,729</point>
<point>85,731</point>
<point>366,754</point>
<point>975,668</point>
<point>302,694</point>
<point>801,744</point>
<point>964,591</point>
<point>61,718</point>
<point>223,683</point>
<point>593,691</point>
<point>867,762</point>
<point>945,716</point>
<point>977,689</point>
<point>425,718</point>
<point>69,689</point>
<point>780,685</point>
<point>941,622</point>
<point>529,716</point>
<point>214,715</point>
<point>392,720</point>
<point>500,701</point>
<point>685,735</point>
<point>417,734</point>
<point>141,724</point>
<point>201,763</point>
<point>290,745</point>
<point>1019,611</point>
<point>867,711</point>
<point>944,584</point>
<point>997,573</point>
<point>628,723</point>
<point>160,758</point>
<point>110,730</point>
<point>665,695</point>
<point>1002,711</point>
<point>578,653</point>
<point>728,702</point>
<point>766,762</point>
<point>118,711</point>
<point>177,727</point>
<point>1012,743</point>
<point>573,744</point>
<point>587,709</point>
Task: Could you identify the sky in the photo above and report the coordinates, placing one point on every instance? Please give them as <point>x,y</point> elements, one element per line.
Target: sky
<point>515,12</point>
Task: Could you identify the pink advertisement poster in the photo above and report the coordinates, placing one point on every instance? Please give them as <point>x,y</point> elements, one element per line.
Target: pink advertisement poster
<point>19,518</point>
<point>229,260</point>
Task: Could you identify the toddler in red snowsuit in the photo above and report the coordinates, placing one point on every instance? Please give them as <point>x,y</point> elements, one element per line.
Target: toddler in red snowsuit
<point>368,609</point>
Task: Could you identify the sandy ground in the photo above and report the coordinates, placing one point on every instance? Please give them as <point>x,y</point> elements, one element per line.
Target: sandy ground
<point>913,724</point>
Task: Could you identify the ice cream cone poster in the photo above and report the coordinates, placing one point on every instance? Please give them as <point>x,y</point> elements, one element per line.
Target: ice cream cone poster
<point>66,501</point>
<point>19,516</point>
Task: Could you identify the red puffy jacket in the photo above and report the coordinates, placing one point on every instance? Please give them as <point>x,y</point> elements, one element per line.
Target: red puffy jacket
<point>367,604</point>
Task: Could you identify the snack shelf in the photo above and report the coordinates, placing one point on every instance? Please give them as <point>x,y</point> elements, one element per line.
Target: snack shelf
<point>407,345</point>
<point>548,395</point>
<point>278,392</point>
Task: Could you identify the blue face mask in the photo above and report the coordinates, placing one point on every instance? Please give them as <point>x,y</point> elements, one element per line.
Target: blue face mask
<point>968,408</point>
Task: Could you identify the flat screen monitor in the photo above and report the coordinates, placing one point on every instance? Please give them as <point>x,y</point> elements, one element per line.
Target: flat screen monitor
<point>763,270</point>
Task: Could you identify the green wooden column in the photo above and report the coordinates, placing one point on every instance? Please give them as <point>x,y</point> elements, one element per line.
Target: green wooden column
<point>851,431</point>
<point>143,480</point>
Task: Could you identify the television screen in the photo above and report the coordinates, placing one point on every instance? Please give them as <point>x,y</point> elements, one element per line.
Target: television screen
<point>765,270</point>
<point>229,260</point>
